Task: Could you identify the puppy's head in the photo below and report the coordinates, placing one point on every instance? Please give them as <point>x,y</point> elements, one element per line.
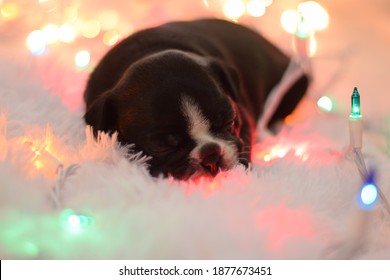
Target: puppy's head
<point>181,110</point>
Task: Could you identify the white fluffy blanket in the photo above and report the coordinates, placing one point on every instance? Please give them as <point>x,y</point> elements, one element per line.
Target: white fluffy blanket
<point>297,201</point>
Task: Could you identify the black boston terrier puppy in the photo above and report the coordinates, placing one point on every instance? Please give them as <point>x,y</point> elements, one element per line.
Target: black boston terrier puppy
<point>189,94</point>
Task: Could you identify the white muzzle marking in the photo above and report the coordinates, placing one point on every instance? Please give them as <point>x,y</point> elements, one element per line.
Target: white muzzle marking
<point>199,131</point>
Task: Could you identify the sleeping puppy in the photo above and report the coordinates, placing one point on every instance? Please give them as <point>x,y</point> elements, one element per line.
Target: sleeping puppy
<point>189,94</point>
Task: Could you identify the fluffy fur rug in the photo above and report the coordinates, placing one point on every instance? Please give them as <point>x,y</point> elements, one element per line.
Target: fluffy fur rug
<point>296,202</point>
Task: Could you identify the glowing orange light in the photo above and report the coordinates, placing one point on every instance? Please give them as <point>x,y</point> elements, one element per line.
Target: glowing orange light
<point>43,160</point>
<point>214,185</point>
<point>43,157</point>
<point>279,151</point>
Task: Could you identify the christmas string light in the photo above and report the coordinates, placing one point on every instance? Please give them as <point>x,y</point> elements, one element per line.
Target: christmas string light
<point>366,202</point>
<point>294,71</point>
<point>46,161</point>
<point>356,143</point>
<point>368,194</point>
<point>308,18</point>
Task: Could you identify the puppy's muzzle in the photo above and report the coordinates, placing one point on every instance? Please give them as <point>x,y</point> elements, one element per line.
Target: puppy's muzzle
<point>211,158</point>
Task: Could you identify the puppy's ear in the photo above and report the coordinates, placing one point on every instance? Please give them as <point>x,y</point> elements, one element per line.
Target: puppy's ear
<point>227,76</point>
<point>101,114</point>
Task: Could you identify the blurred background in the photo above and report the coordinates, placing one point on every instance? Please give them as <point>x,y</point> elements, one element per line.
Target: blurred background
<point>300,192</point>
<point>58,42</point>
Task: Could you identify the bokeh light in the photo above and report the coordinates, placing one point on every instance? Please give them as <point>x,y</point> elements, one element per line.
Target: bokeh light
<point>36,42</point>
<point>70,14</point>
<point>51,33</point>
<point>255,8</point>
<point>108,19</point>
<point>312,14</point>
<point>325,103</point>
<point>90,29</point>
<point>312,45</point>
<point>74,221</point>
<point>289,20</point>
<point>66,33</point>
<point>9,11</point>
<point>82,59</point>
<point>110,38</point>
<point>316,15</point>
<point>233,9</point>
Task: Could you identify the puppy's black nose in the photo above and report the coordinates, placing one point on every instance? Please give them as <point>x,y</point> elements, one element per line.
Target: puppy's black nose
<point>211,158</point>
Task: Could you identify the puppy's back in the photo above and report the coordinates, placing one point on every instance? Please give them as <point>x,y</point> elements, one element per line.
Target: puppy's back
<point>259,63</point>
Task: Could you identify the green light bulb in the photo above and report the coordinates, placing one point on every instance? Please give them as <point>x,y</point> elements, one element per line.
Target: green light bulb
<point>76,221</point>
<point>355,104</point>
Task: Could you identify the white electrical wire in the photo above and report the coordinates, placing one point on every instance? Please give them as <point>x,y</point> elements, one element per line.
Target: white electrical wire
<point>293,72</point>
<point>62,176</point>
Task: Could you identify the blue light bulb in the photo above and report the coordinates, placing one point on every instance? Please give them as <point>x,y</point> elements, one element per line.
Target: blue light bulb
<point>369,195</point>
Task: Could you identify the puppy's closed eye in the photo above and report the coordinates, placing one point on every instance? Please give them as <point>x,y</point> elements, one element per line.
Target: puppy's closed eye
<point>222,123</point>
<point>165,142</point>
<point>228,126</point>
